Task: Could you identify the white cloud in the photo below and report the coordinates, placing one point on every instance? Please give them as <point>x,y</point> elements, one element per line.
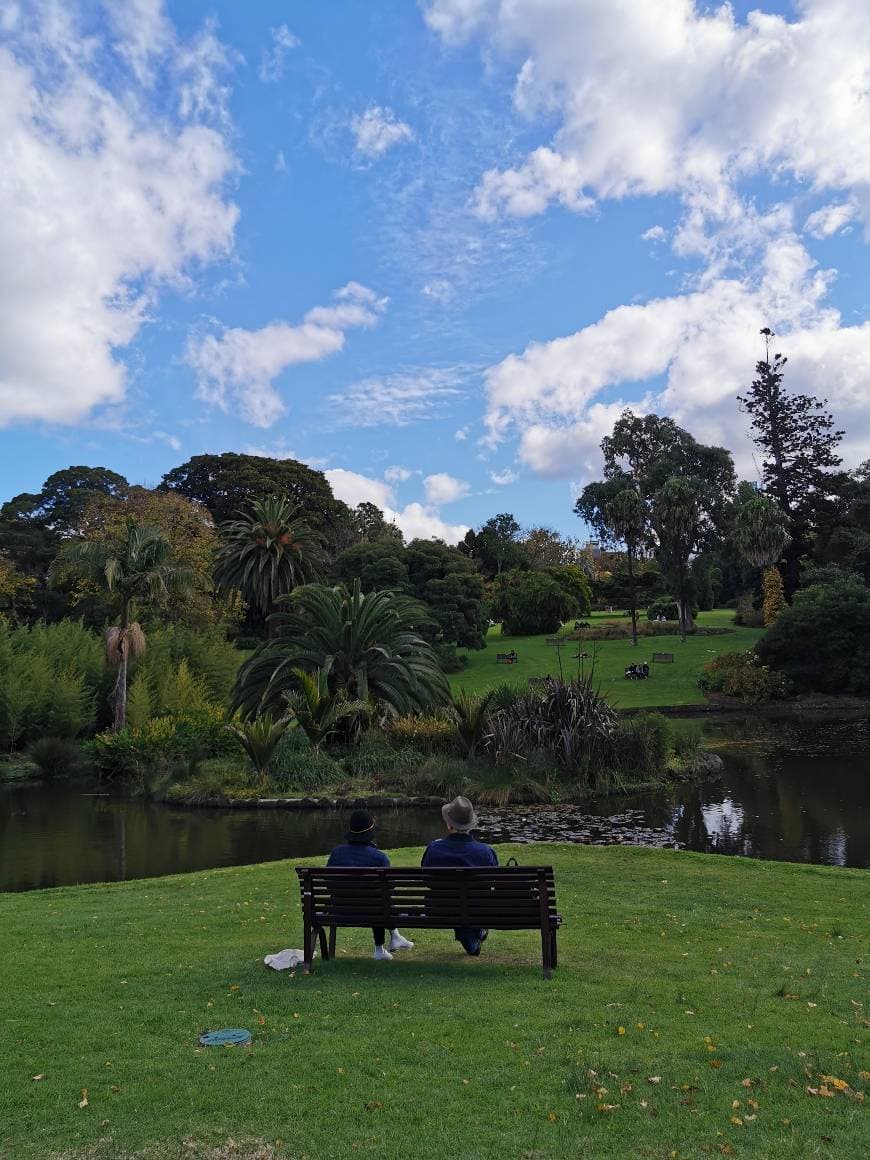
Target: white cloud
<point>377,130</point>
<point>830,219</point>
<point>461,434</point>
<point>415,520</point>
<point>503,478</point>
<point>397,400</point>
<point>695,352</point>
<point>239,366</point>
<point>273,58</point>
<point>684,99</point>
<point>397,474</point>
<point>103,203</point>
<point>352,488</point>
<point>443,488</point>
<point>654,234</point>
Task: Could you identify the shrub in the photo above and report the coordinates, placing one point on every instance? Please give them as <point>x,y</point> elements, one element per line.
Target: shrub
<point>162,742</point>
<point>56,756</point>
<point>305,771</point>
<point>774,596</point>
<point>642,746</point>
<point>822,642</point>
<point>431,734</point>
<point>743,676</point>
<point>664,606</point>
<point>259,740</point>
<point>218,780</point>
<point>449,659</point>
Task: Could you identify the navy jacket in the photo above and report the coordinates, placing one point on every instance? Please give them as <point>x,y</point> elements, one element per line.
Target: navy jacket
<point>358,853</point>
<point>459,850</point>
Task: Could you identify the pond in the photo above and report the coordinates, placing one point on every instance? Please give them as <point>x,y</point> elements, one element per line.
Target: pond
<point>796,791</point>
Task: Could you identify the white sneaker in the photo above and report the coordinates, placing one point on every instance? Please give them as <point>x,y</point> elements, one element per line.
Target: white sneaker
<point>382,953</point>
<point>398,942</point>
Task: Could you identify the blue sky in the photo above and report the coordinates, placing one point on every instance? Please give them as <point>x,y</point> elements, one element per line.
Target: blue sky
<point>430,248</point>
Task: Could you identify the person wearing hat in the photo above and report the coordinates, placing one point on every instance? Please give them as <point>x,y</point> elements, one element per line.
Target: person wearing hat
<point>459,848</point>
<point>359,849</point>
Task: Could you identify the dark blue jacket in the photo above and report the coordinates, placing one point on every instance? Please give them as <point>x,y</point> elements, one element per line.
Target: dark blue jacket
<point>358,853</point>
<point>459,850</point>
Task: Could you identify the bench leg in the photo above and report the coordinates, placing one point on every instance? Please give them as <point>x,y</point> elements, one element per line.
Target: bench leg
<point>332,934</point>
<point>554,950</point>
<point>307,949</point>
<point>324,949</point>
<point>547,950</point>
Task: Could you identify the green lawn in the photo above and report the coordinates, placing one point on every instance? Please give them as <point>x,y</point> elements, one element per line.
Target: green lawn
<point>698,1004</point>
<point>675,684</point>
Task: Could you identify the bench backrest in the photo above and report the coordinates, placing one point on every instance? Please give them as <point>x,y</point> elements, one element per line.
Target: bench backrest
<point>506,897</point>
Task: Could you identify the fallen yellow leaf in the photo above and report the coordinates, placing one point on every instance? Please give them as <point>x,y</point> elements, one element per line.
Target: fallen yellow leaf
<point>839,1084</point>
<point>551,1116</point>
<point>37,1078</point>
<point>653,1079</point>
<point>83,1102</point>
<point>737,1122</point>
<point>746,1082</point>
<point>620,1031</point>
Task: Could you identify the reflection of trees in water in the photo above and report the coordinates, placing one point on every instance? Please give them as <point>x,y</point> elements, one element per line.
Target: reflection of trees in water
<point>52,835</point>
<point>794,807</point>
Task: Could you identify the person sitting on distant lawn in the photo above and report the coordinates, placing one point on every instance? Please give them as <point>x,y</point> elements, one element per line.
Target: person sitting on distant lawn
<point>459,848</point>
<point>359,849</point>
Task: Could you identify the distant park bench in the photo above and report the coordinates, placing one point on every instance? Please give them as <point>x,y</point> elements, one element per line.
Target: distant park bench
<point>510,658</point>
<point>578,624</point>
<point>497,898</point>
<point>663,658</point>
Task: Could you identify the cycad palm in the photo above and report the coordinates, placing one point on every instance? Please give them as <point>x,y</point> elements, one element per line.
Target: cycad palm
<point>267,552</point>
<point>369,645</point>
<point>134,568</point>
<point>760,536</point>
<point>318,710</point>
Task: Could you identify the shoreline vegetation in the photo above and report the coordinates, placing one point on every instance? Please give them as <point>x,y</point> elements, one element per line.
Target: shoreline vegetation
<point>701,1004</point>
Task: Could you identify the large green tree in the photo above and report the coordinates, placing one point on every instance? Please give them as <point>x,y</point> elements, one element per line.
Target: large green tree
<point>496,545</point>
<point>761,535</point>
<point>34,524</point>
<point>798,443</point>
<point>676,520</point>
<point>136,569</point>
<point>369,646</point>
<point>843,538</point>
<point>225,483</point>
<point>538,601</point>
<point>267,551</point>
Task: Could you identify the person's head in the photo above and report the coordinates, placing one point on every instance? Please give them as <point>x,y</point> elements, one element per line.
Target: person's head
<point>360,826</point>
<point>459,816</point>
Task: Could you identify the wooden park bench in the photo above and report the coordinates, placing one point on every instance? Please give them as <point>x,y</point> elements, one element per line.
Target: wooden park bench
<point>497,898</point>
<point>510,658</point>
<point>663,658</point>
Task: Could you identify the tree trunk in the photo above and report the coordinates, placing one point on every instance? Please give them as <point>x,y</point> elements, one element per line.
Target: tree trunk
<point>632,595</point>
<point>120,693</point>
<point>684,601</point>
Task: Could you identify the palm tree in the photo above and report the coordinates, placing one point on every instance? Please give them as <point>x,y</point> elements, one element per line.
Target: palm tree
<point>472,719</point>
<point>259,739</point>
<point>761,536</point>
<point>369,645</point>
<point>675,519</point>
<point>267,552</point>
<point>133,568</point>
<point>317,709</point>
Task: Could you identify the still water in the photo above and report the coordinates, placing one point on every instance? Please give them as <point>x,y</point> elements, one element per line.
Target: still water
<point>791,791</point>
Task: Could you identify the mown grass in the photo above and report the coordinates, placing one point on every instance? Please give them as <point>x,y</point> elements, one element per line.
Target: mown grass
<point>669,684</point>
<point>698,998</point>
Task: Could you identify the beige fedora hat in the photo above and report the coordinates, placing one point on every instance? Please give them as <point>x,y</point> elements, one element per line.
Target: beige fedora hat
<point>460,815</point>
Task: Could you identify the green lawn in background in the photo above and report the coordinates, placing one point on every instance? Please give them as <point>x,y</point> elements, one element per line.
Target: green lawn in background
<point>675,684</point>
<point>699,1003</point>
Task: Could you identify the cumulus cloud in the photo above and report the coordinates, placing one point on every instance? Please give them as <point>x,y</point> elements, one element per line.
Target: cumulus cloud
<point>443,488</point>
<point>685,98</point>
<point>238,367</point>
<point>829,219</point>
<point>503,478</point>
<point>397,474</point>
<point>695,352</point>
<point>273,59</point>
<point>416,520</point>
<point>110,202</point>
<point>654,234</point>
<point>397,400</point>
<point>377,130</point>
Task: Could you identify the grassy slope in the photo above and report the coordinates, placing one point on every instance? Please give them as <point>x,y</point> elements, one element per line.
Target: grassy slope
<point>720,970</point>
<point>675,684</point>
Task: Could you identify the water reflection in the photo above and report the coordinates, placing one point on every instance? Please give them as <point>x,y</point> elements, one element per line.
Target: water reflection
<point>792,791</point>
